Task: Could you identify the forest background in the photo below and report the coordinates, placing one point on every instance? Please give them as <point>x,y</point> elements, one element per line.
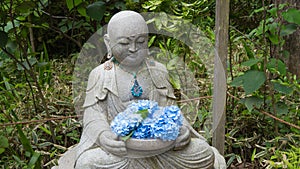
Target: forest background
<point>40,41</point>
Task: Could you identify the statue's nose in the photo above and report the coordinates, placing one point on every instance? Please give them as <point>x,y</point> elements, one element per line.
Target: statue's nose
<point>133,47</point>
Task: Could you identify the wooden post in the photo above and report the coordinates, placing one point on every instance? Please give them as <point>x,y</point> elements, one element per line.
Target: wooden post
<point>219,94</point>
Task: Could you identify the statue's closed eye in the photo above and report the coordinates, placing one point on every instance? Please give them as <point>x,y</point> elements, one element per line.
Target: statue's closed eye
<point>123,41</point>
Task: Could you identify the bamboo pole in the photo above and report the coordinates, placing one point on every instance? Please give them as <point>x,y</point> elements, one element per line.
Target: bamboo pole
<point>219,93</point>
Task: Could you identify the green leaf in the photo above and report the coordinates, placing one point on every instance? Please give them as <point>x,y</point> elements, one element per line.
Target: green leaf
<point>26,6</point>
<point>288,29</point>
<point>281,108</point>
<point>286,53</point>
<point>120,5</point>
<point>4,39</point>
<point>249,52</point>
<point>2,150</point>
<point>273,12</point>
<point>252,80</point>
<point>42,64</point>
<point>273,38</point>
<point>73,3</point>
<point>144,113</point>
<point>253,154</point>
<point>282,88</point>
<point>164,18</point>
<point>251,62</point>
<point>89,45</point>
<point>158,23</point>
<point>31,61</point>
<point>238,81</point>
<point>292,16</point>
<point>34,160</point>
<point>251,102</point>
<point>272,28</point>
<point>151,41</point>
<point>25,142</point>
<point>127,137</point>
<point>96,10</point>
<point>70,4</point>
<point>174,80</point>
<point>276,65</point>
<point>3,142</point>
<point>171,65</point>
<point>82,11</point>
<point>45,130</point>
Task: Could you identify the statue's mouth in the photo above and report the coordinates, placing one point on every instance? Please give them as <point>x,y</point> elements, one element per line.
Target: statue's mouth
<point>132,56</point>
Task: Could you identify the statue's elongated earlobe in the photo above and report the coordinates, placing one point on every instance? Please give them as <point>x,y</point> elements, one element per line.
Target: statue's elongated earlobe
<point>109,54</point>
<point>106,41</point>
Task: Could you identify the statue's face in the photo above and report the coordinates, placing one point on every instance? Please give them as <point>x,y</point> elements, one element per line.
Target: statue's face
<point>129,40</point>
<point>130,50</point>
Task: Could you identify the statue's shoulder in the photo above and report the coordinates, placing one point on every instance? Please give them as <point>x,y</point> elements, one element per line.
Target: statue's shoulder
<point>95,88</point>
<point>95,76</point>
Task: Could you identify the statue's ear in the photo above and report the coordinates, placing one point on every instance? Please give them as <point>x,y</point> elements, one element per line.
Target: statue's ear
<point>107,44</point>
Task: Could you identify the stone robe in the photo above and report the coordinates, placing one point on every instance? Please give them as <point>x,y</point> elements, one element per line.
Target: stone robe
<point>103,103</point>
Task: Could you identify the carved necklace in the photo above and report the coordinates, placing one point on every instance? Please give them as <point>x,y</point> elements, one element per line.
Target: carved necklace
<point>136,89</point>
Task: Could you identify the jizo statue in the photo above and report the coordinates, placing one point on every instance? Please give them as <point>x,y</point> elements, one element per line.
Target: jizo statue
<point>130,75</point>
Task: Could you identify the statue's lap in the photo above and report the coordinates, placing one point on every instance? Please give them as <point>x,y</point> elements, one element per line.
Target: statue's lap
<point>198,154</point>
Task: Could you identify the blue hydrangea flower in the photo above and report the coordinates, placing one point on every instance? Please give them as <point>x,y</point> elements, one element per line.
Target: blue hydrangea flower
<point>143,104</point>
<point>174,113</point>
<point>166,130</point>
<point>162,122</point>
<point>153,107</point>
<point>144,130</point>
<point>124,123</point>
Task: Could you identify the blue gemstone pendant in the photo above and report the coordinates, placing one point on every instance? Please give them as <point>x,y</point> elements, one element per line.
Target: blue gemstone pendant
<point>136,89</point>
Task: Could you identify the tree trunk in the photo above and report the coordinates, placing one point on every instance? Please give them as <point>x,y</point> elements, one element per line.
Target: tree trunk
<point>292,44</point>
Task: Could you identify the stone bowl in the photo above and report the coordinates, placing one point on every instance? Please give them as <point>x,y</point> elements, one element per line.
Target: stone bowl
<point>141,148</point>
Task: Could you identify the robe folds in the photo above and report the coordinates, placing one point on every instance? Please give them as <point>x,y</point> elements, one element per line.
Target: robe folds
<point>103,103</point>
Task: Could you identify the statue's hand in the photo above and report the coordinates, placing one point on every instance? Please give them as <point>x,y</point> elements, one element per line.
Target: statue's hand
<point>183,139</point>
<point>109,141</point>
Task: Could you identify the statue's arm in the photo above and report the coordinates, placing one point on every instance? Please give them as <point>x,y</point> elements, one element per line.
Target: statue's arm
<point>97,127</point>
<point>95,113</point>
<point>95,122</point>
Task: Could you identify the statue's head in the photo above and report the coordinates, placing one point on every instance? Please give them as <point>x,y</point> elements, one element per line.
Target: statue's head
<point>127,38</point>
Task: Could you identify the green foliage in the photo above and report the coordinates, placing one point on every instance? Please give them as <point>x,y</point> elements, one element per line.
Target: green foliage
<point>96,10</point>
<point>199,12</point>
<point>275,29</point>
<point>3,144</point>
<point>292,16</point>
<point>262,83</point>
<point>4,38</point>
<point>251,81</point>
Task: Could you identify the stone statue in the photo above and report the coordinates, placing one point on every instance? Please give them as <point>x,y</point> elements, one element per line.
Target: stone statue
<point>127,76</point>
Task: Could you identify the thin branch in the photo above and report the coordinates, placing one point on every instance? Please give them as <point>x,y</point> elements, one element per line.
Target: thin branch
<point>31,35</point>
<point>268,114</point>
<point>278,119</point>
<point>32,93</point>
<point>56,17</point>
<point>65,35</point>
<point>193,99</point>
<point>40,121</point>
